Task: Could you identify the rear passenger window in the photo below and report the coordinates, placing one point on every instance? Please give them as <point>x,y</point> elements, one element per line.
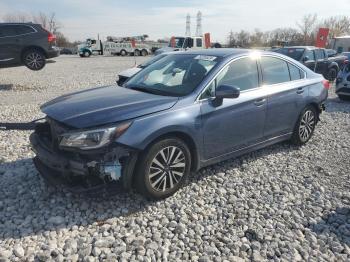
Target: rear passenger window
<point>274,70</point>
<point>23,29</point>
<point>319,54</point>
<point>295,73</point>
<point>8,30</point>
<point>199,42</point>
<point>242,73</point>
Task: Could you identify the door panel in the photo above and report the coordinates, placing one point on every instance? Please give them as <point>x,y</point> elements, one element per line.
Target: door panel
<point>234,124</point>
<point>285,102</point>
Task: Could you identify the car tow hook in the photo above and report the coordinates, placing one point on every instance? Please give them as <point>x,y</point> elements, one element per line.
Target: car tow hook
<point>20,126</point>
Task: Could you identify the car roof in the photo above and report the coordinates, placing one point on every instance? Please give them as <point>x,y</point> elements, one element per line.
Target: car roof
<point>305,47</point>
<point>220,52</point>
<point>19,23</point>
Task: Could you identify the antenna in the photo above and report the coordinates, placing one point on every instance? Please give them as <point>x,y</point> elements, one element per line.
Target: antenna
<point>199,24</point>
<point>188,25</point>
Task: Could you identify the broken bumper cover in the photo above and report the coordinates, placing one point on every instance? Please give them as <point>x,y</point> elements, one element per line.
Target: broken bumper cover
<point>82,176</point>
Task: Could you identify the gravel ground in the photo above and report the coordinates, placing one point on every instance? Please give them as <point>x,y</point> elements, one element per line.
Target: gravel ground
<point>282,203</point>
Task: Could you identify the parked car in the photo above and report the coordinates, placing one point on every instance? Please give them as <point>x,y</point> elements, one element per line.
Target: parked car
<point>184,112</point>
<point>331,52</point>
<point>342,88</point>
<point>347,54</point>
<point>26,44</point>
<point>315,59</point>
<point>123,76</point>
<point>66,51</point>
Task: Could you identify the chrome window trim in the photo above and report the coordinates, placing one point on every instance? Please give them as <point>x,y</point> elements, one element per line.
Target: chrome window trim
<point>259,87</point>
<point>216,75</point>
<point>35,31</point>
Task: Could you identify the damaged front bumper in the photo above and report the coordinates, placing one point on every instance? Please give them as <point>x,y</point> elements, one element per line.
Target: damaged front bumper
<point>108,170</point>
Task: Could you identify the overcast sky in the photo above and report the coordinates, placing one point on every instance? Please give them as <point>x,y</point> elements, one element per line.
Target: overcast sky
<point>162,18</point>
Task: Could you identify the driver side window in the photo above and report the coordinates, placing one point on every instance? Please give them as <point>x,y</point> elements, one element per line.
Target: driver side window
<point>242,73</point>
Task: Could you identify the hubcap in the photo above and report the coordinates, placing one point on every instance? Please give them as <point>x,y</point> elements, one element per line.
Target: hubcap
<point>167,168</point>
<point>307,125</point>
<point>34,60</point>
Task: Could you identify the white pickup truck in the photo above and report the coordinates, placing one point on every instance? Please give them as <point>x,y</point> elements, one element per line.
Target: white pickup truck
<point>183,43</point>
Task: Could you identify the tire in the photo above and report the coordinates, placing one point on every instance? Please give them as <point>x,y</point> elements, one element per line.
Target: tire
<point>144,52</point>
<point>137,52</point>
<point>332,74</point>
<point>81,55</point>
<point>123,52</point>
<point>305,126</point>
<point>155,178</point>
<point>345,98</point>
<point>86,54</point>
<point>34,59</point>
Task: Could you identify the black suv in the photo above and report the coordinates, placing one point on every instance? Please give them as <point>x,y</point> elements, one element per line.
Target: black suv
<point>26,43</point>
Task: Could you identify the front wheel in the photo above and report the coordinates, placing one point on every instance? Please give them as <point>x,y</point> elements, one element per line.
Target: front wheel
<point>144,52</point>
<point>34,59</point>
<point>305,126</point>
<point>123,53</point>
<point>163,168</point>
<point>86,53</point>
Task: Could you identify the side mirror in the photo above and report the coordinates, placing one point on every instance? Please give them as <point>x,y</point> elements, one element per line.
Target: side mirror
<point>306,58</point>
<point>226,91</point>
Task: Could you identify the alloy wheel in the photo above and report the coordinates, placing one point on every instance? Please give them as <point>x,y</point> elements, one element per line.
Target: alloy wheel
<point>307,125</point>
<point>34,60</point>
<point>167,168</point>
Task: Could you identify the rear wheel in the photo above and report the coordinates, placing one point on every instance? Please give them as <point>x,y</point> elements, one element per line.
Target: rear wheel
<point>144,52</point>
<point>163,168</point>
<point>332,74</point>
<point>137,52</point>
<point>34,59</point>
<point>305,126</point>
<point>342,97</point>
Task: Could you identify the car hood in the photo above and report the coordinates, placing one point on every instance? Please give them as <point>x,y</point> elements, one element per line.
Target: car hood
<point>104,105</point>
<point>130,72</point>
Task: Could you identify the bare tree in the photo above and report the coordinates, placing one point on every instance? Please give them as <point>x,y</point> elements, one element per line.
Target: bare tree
<point>307,27</point>
<point>338,25</point>
<point>17,17</point>
<point>49,22</point>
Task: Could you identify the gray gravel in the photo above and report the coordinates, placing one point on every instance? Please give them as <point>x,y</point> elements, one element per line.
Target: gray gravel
<point>280,203</point>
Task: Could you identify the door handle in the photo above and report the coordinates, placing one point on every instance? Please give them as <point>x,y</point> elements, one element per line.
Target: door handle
<point>260,102</point>
<point>300,90</point>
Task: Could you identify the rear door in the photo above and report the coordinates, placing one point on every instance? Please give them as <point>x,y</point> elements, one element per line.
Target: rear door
<point>309,59</point>
<point>321,61</point>
<point>283,82</point>
<point>10,44</point>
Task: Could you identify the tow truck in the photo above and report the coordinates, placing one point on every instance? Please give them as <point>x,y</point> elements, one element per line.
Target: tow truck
<point>113,46</point>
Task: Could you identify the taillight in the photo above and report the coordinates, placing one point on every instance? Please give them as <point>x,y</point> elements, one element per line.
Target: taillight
<point>326,84</point>
<point>51,37</point>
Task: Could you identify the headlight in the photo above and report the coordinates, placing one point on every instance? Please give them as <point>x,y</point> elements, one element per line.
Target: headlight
<point>92,139</point>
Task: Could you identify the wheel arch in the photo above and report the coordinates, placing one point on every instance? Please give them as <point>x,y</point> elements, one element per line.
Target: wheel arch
<point>33,47</point>
<point>187,139</point>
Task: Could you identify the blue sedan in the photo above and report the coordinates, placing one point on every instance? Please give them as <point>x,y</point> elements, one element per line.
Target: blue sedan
<point>184,112</point>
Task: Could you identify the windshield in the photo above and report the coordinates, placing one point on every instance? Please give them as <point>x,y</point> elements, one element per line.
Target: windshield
<point>174,75</point>
<point>152,60</point>
<point>295,53</point>
<point>179,42</point>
